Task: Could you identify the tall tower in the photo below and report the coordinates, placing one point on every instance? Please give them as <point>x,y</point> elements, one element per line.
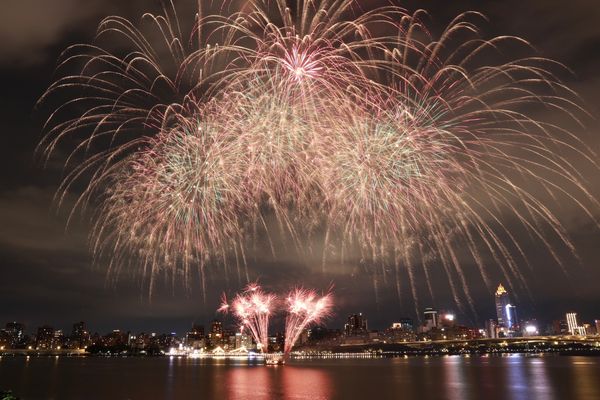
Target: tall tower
<point>501,302</point>
<point>505,311</point>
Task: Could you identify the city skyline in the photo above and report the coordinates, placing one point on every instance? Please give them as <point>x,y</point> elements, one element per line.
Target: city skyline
<point>357,324</point>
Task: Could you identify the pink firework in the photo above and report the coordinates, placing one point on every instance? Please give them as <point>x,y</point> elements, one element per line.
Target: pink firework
<point>304,308</point>
<point>412,152</point>
<point>301,64</point>
<point>252,308</point>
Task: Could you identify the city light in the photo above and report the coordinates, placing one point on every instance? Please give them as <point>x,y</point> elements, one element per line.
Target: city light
<point>303,311</point>
<point>531,329</point>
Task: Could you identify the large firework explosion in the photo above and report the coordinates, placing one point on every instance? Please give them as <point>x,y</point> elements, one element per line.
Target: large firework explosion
<point>395,145</point>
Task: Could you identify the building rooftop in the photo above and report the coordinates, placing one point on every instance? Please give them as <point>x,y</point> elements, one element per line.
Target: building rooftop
<point>500,290</point>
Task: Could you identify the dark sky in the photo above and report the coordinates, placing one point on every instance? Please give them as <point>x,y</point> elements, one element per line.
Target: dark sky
<point>46,274</point>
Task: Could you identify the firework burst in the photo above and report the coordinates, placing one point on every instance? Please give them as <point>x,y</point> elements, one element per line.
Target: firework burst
<point>401,146</point>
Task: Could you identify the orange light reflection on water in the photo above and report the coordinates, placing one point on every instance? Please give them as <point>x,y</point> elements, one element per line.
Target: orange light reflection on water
<point>281,382</point>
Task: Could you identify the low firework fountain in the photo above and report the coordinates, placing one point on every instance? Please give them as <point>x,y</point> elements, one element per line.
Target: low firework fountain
<point>252,308</point>
<point>304,308</point>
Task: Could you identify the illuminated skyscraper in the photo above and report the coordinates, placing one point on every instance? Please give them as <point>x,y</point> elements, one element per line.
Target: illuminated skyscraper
<point>572,322</point>
<point>574,328</point>
<point>501,303</point>
<point>505,311</point>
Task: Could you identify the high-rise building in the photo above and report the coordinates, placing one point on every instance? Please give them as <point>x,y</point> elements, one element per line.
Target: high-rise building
<point>243,340</point>
<point>15,332</point>
<point>78,329</point>
<point>79,336</point>
<point>430,319</point>
<point>572,323</point>
<point>215,336</point>
<point>45,337</point>
<point>491,328</point>
<point>58,339</point>
<point>505,311</point>
<point>574,327</point>
<point>356,325</point>
<point>501,302</point>
<point>198,330</point>
<point>560,327</point>
<point>597,326</point>
<point>512,322</point>
<point>195,338</point>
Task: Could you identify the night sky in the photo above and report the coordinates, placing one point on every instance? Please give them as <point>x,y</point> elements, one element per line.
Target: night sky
<point>46,273</point>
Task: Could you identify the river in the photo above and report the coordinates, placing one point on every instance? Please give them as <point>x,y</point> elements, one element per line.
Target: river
<point>514,377</point>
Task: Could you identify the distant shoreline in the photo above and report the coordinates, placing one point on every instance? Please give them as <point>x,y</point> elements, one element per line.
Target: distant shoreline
<point>523,345</point>
<point>325,355</point>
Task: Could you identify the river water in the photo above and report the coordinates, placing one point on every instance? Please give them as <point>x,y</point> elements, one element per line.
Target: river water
<point>424,378</point>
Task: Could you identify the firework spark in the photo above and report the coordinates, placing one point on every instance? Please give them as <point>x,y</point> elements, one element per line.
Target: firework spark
<point>253,308</point>
<point>304,308</point>
<point>400,146</point>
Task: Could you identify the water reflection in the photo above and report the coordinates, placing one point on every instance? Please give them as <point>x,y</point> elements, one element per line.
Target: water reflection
<point>289,382</point>
<point>527,378</point>
<point>516,378</point>
<point>454,378</point>
<point>513,377</point>
<point>304,383</point>
<point>586,378</point>
<point>433,378</point>
<point>540,381</point>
